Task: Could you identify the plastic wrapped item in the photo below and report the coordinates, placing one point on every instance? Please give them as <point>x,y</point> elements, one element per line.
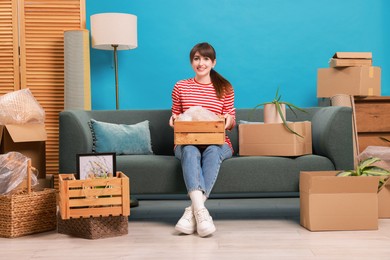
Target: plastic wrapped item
<point>381,152</point>
<point>198,113</point>
<point>13,170</point>
<point>20,107</point>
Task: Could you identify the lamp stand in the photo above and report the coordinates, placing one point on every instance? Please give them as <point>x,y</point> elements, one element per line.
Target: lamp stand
<point>116,75</point>
<point>133,201</point>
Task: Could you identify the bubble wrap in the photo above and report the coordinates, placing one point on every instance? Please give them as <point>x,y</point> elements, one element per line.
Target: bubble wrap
<point>20,107</point>
<point>198,113</point>
<point>13,170</point>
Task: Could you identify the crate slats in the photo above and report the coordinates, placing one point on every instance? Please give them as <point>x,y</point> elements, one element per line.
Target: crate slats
<point>199,132</point>
<point>97,212</point>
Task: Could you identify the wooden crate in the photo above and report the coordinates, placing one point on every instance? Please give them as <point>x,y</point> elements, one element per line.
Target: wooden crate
<point>94,197</point>
<point>199,132</point>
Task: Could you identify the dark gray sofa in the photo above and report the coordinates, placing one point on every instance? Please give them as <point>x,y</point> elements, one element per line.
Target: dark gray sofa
<point>160,176</point>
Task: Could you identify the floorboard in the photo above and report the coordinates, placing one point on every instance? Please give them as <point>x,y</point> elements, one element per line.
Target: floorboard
<point>265,228</point>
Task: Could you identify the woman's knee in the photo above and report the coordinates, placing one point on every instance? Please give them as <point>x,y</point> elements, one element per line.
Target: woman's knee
<point>190,150</point>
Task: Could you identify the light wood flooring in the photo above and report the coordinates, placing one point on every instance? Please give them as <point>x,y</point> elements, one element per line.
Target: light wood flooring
<point>246,229</point>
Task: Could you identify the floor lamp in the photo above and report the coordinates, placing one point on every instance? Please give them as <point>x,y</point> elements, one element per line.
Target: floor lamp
<point>114,31</point>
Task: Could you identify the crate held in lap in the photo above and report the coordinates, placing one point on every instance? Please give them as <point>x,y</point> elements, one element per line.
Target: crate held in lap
<point>199,132</point>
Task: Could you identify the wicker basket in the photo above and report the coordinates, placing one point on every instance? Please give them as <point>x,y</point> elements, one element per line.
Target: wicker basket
<point>94,227</point>
<point>28,212</point>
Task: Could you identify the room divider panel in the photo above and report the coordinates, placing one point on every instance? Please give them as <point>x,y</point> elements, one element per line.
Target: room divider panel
<point>32,56</point>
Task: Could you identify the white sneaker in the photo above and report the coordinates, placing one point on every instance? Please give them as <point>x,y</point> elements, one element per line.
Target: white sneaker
<point>204,223</point>
<point>187,223</point>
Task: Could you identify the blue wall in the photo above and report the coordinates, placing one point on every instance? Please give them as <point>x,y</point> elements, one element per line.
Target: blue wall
<point>260,44</point>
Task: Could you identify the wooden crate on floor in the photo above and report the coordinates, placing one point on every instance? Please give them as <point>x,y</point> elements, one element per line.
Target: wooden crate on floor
<point>99,197</point>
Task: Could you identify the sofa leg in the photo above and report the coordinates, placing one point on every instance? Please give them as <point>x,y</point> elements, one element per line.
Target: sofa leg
<point>133,203</point>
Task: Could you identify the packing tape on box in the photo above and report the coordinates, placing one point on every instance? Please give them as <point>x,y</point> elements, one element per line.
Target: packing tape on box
<point>371,72</point>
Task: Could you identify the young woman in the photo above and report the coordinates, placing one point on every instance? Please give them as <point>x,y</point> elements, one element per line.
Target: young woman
<point>200,164</point>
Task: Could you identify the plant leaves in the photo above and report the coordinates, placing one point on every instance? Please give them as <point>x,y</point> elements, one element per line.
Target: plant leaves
<point>279,109</point>
<point>345,173</point>
<point>277,103</point>
<point>381,182</point>
<point>367,162</point>
<point>376,171</point>
<point>292,106</point>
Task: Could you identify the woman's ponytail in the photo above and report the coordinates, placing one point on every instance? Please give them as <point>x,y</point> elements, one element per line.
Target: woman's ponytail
<point>221,85</point>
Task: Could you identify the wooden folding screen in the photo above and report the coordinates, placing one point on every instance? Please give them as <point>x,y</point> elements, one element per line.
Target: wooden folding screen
<point>9,58</point>
<point>37,28</point>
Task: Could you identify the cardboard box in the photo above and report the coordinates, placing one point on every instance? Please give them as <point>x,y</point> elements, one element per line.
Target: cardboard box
<point>199,132</point>
<point>345,59</point>
<point>329,202</point>
<point>355,81</point>
<point>384,200</point>
<point>27,139</point>
<point>275,139</point>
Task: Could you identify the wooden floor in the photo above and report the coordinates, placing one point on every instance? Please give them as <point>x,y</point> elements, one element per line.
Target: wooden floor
<point>246,229</point>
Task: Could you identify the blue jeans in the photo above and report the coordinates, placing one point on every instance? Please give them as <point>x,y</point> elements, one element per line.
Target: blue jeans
<point>201,165</point>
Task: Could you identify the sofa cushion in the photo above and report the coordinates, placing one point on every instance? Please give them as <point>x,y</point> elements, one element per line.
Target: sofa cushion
<point>152,174</point>
<point>121,138</point>
<point>266,173</point>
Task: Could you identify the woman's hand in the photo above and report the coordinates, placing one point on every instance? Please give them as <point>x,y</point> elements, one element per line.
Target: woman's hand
<point>229,121</point>
<point>172,120</point>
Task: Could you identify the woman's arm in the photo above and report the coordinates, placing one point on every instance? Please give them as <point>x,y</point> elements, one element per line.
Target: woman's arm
<point>229,111</point>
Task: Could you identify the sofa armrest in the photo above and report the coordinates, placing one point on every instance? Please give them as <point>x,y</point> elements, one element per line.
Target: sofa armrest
<point>74,138</point>
<point>332,135</point>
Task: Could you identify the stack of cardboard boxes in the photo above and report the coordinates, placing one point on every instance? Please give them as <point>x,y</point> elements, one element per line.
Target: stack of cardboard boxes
<point>329,202</point>
<point>349,73</point>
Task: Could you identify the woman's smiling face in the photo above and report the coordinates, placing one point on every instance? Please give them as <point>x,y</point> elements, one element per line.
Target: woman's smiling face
<point>202,65</point>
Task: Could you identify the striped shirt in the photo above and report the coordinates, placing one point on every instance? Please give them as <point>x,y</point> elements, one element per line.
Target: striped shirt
<point>187,93</point>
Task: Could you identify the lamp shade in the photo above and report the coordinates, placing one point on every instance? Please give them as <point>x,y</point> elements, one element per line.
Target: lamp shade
<point>109,29</point>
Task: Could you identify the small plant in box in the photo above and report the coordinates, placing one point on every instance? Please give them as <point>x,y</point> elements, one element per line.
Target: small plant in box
<point>366,168</point>
<point>280,107</point>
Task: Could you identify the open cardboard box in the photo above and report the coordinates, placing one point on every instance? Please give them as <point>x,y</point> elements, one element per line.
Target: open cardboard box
<point>274,139</point>
<point>27,139</point>
<point>346,59</point>
<point>329,202</point>
<point>384,200</point>
<point>355,81</point>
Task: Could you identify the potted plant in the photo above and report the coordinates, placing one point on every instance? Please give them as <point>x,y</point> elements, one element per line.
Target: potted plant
<point>275,111</point>
<point>366,168</point>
